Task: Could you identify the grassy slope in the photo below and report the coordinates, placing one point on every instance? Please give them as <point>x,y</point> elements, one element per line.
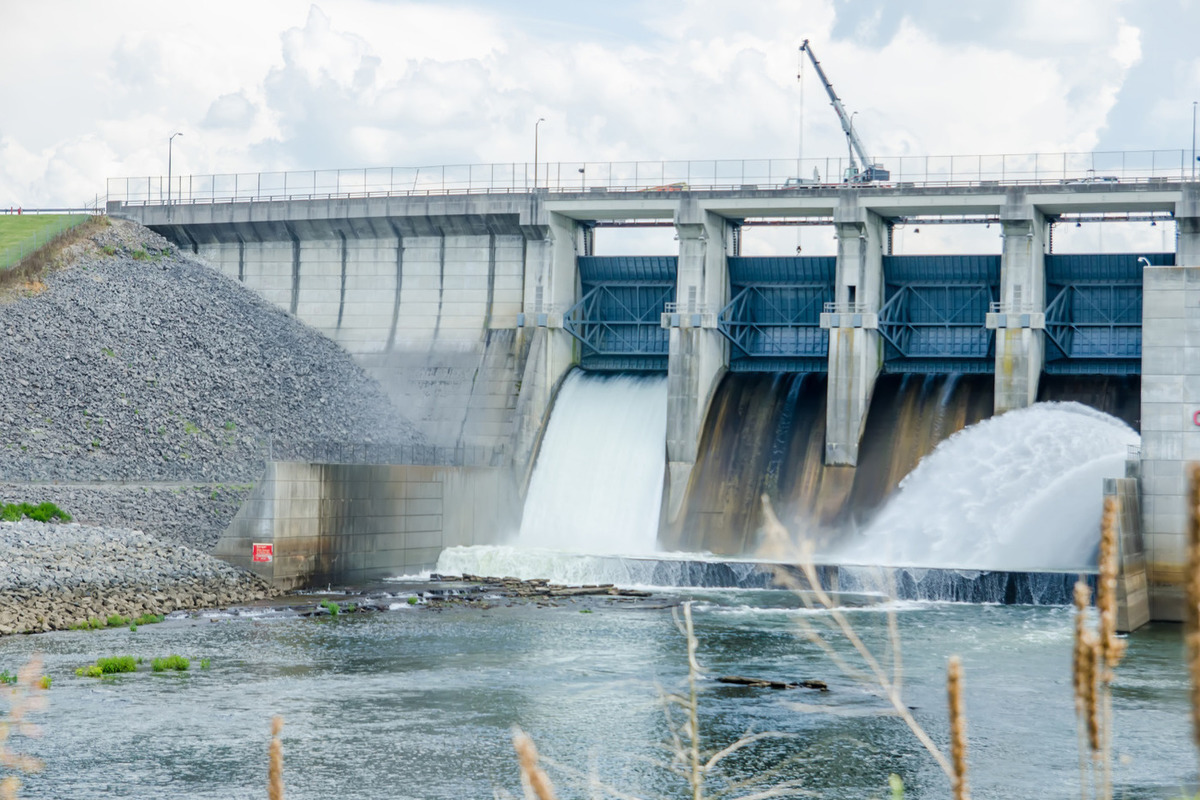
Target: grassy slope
<point>24,229</point>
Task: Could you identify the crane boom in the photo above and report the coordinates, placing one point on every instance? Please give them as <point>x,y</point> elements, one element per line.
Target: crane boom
<point>857,174</point>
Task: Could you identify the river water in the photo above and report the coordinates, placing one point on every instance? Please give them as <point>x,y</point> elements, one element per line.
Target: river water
<point>418,703</point>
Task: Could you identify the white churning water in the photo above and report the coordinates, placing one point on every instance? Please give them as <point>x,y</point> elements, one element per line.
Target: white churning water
<point>1020,491</point>
<point>598,482</point>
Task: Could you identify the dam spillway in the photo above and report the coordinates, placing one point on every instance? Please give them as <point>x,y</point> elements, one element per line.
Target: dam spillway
<point>765,435</point>
<point>597,485</point>
<point>466,305</point>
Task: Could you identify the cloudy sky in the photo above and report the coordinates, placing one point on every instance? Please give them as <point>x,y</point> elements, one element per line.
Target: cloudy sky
<point>93,90</point>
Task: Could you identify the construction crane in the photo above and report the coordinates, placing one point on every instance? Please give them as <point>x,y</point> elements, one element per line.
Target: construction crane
<point>861,169</point>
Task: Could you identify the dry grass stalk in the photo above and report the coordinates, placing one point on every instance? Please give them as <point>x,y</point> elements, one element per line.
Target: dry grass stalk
<point>695,766</point>
<point>27,697</point>
<point>1111,647</point>
<point>275,766</point>
<point>778,540</point>
<point>958,729</point>
<point>1191,617</point>
<point>533,777</point>
<point>1096,656</point>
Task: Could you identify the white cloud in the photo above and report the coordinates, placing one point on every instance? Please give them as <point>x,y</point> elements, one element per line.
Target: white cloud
<point>357,83</point>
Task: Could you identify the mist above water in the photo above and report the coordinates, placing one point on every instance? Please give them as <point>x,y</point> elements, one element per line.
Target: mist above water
<point>1021,491</point>
<point>598,482</point>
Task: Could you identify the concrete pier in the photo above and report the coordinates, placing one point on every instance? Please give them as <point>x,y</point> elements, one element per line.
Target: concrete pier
<point>855,346</point>
<point>699,354</point>
<point>1020,321</point>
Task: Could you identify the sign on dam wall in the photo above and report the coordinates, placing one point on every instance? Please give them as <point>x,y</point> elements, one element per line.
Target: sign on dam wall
<point>470,308</point>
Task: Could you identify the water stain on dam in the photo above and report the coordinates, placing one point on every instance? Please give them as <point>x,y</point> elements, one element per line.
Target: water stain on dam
<point>765,433</point>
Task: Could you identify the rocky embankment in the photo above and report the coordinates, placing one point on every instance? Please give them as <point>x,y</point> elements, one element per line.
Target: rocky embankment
<point>58,576</point>
<point>132,364</point>
<point>144,390</point>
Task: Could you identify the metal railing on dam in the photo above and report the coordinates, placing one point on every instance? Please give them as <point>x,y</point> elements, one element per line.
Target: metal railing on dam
<point>1139,166</point>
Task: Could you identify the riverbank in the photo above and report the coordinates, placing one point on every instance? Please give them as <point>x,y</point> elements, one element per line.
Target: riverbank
<point>56,576</point>
<point>61,576</point>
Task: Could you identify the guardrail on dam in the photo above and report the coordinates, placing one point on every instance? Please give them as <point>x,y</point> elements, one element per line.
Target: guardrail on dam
<point>471,307</point>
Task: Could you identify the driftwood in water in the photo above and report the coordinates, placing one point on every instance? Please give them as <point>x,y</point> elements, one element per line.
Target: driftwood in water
<point>760,683</point>
<point>579,591</point>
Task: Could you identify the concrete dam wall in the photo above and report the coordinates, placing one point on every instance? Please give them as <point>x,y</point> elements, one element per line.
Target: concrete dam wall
<point>427,306</point>
<point>472,308</point>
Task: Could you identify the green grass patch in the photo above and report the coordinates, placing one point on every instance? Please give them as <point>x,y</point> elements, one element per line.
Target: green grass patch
<point>7,678</point>
<point>333,608</point>
<point>22,234</point>
<point>42,512</point>
<point>113,665</point>
<point>171,662</point>
<point>117,621</point>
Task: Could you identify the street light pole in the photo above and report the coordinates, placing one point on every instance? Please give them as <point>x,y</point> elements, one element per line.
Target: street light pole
<point>170,142</point>
<point>1194,140</point>
<point>535,149</point>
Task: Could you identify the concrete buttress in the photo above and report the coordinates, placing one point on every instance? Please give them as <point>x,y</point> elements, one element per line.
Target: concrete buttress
<point>1020,340</point>
<point>699,354</point>
<point>855,346</point>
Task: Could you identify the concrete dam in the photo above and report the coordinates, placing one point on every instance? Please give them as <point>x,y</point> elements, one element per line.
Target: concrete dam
<point>821,381</point>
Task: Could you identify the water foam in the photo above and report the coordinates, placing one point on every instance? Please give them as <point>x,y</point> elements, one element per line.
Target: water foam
<point>1020,491</point>
<point>597,486</point>
<point>660,571</point>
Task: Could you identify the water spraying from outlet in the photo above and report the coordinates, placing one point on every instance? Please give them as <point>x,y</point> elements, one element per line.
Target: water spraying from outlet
<point>1021,491</point>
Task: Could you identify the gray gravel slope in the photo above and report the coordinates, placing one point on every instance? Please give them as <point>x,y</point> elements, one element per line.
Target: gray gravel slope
<point>156,367</point>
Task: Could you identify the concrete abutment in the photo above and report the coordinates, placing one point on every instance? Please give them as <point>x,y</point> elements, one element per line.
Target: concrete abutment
<point>1170,408</point>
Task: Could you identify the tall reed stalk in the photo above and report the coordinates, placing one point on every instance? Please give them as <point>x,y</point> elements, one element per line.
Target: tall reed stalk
<point>533,778</point>
<point>958,729</point>
<point>1096,656</point>
<point>275,764</point>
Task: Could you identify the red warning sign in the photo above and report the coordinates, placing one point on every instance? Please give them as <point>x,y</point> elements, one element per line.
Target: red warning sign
<point>263,552</point>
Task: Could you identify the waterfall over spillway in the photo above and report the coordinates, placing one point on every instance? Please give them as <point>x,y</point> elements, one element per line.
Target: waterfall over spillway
<point>1021,491</point>
<point>598,482</point>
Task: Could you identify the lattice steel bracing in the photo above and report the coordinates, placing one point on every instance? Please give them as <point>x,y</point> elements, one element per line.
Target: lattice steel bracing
<point>1094,312</point>
<point>774,315</point>
<point>615,319</point>
<point>935,312</point>
<point>618,319</point>
<point>771,321</point>
<point>1096,321</point>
